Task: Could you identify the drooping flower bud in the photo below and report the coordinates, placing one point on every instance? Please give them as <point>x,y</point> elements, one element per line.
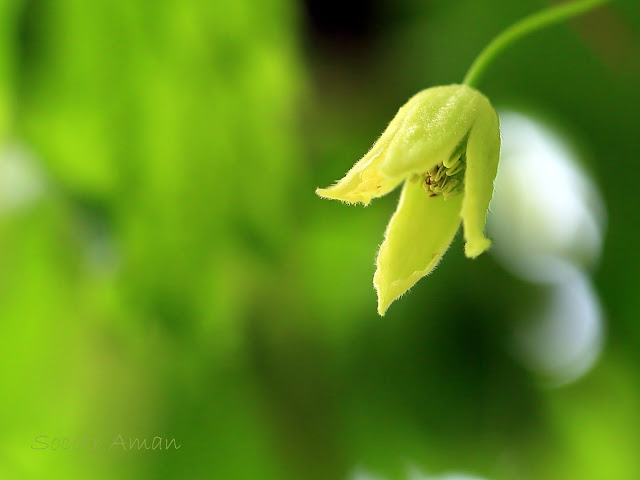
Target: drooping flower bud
<point>446,140</point>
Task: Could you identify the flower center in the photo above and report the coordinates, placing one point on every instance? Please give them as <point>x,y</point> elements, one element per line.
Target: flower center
<point>446,178</point>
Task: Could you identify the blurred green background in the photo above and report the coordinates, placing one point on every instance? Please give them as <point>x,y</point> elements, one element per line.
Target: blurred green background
<point>167,271</point>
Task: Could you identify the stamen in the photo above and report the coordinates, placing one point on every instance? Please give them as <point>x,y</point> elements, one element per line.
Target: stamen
<point>446,178</point>
<point>455,169</point>
<point>452,161</point>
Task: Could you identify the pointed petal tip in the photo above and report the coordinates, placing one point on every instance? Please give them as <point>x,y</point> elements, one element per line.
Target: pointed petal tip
<point>325,193</point>
<point>384,301</point>
<point>330,193</point>
<point>390,291</point>
<point>475,248</point>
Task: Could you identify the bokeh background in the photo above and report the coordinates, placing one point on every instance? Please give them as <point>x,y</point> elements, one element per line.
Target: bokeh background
<point>167,271</point>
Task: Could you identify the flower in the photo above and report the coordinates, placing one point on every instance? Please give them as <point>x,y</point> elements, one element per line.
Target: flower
<point>444,143</point>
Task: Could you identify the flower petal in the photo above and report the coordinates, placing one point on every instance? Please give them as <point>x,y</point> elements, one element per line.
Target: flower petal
<point>417,236</point>
<point>483,152</point>
<point>437,122</point>
<point>365,180</point>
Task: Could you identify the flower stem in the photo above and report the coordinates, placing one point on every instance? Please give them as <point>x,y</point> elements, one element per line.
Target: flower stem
<point>536,21</point>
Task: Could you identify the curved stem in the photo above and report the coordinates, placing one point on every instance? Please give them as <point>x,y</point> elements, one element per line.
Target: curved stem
<point>525,26</point>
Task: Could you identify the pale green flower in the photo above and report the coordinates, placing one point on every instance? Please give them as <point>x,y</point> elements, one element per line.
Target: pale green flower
<point>445,143</point>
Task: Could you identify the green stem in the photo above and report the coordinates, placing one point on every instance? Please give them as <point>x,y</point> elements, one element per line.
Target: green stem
<point>525,26</point>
